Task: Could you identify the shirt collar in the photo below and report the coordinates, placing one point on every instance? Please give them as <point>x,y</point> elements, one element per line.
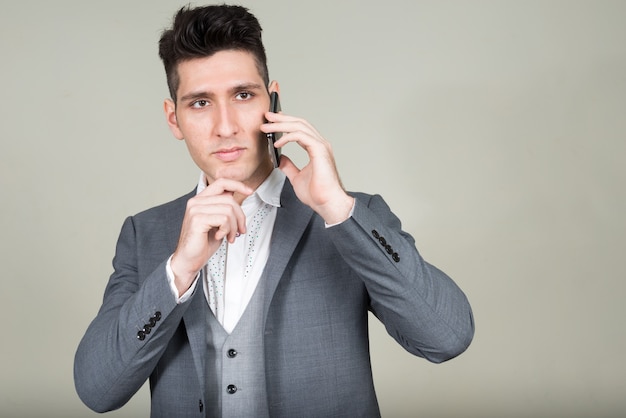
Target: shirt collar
<point>269,191</point>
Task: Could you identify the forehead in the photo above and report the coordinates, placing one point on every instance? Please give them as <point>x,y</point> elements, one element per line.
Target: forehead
<point>219,71</point>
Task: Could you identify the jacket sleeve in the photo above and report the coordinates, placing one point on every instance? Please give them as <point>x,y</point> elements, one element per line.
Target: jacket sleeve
<point>420,306</point>
<point>123,344</point>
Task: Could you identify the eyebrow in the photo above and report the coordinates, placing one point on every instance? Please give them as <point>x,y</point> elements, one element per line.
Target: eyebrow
<point>194,95</point>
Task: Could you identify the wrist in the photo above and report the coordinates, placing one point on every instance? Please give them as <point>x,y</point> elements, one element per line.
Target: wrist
<point>183,278</point>
<point>337,210</point>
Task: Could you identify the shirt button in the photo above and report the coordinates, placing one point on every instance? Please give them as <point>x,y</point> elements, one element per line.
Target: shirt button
<point>231,389</point>
<point>232,353</point>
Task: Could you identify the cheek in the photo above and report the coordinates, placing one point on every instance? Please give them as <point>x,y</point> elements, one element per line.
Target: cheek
<point>253,127</point>
<point>197,131</point>
<point>194,149</point>
<point>253,121</point>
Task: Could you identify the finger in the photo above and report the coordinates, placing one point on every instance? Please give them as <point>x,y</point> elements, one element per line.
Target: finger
<point>220,213</point>
<point>224,225</point>
<point>224,185</point>
<point>234,225</point>
<point>286,124</point>
<point>314,147</point>
<point>226,230</point>
<point>280,117</point>
<point>292,128</point>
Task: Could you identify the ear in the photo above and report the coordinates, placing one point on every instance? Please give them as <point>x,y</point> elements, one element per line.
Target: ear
<point>273,86</point>
<point>169,107</point>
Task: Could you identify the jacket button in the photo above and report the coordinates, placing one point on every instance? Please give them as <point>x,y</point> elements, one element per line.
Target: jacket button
<point>375,233</point>
<point>152,322</point>
<point>231,389</point>
<point>146,329</point>
<point>395,257</point>
<point>232,353</point>
<point>382,241</point>
<point>157,315</point>
<point>389,249</point>
<point>141,335</point>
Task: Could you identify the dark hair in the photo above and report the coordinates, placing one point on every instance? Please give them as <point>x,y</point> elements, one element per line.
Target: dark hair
<point>201,32</point>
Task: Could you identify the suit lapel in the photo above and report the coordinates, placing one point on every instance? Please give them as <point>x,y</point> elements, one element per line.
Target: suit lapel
<point>291,221</point>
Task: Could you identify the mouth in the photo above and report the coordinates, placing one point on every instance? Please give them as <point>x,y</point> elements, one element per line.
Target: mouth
<point>229,154</point>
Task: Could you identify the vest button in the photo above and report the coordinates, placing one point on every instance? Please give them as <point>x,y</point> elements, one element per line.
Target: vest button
<point>231,389</point>
<point>232,353</point>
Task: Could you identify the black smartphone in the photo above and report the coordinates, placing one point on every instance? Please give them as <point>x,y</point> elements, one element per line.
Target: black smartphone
<point>274,136</point>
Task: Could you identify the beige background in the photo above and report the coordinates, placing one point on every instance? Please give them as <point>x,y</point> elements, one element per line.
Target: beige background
<point>495,129</point>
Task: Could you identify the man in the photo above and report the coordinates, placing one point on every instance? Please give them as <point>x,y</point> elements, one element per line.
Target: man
<point>249,296</point>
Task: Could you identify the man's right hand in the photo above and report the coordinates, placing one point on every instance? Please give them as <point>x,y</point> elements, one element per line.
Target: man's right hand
<point>210,216</point>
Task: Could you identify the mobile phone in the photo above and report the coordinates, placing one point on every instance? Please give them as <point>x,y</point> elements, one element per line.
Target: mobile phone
<point>274,136</point>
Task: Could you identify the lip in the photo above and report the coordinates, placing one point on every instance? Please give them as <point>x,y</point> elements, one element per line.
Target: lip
<point>229,154</point>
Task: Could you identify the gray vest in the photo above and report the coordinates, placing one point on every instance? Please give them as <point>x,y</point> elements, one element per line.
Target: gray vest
<point>236,364</point>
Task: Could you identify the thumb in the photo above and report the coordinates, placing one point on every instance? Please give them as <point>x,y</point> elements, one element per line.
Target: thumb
<point>288,167</point>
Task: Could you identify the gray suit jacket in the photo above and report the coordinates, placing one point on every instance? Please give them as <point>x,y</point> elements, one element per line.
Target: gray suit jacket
<point>321,283</point>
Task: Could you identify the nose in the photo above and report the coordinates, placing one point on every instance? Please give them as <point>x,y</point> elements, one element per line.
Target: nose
<point>226,124</point>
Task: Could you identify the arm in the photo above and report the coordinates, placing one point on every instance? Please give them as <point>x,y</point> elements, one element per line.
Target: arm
<point>112,362</point>
<point>117,354</point>
<point>420,306</point>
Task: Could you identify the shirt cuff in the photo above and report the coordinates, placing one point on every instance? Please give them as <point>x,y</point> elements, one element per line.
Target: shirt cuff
<point>170,279</point>
<point>349,216</point>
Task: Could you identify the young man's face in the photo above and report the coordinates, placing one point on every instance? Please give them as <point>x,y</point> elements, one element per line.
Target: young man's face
<point>220,108</point>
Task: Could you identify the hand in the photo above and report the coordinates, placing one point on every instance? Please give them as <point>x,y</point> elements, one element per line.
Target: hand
<point>317,184</point>
<point>210,216</point>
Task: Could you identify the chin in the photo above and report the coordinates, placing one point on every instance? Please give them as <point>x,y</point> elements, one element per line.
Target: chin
<point>232,173</point>
<point>243,172</point>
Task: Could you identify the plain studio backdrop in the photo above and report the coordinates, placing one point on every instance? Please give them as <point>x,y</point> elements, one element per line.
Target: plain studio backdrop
<point>494,129</point>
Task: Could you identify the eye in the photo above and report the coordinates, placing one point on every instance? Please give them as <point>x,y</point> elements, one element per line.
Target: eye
<point>200,103</point>
<point>244,95</point>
